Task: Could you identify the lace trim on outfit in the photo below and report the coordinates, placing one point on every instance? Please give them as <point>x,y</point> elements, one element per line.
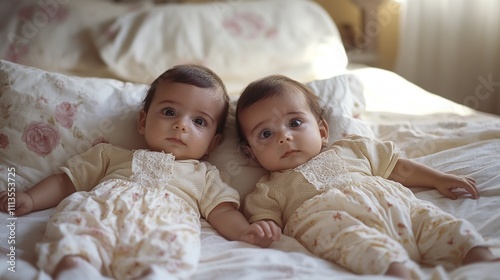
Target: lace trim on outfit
<point>324,171</point>
<point>151,168</point>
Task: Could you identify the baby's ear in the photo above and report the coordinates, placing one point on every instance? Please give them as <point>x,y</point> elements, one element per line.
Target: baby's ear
<point>215,141</point>
<point>141,124</point>
<point>247,151</point>
<point>323,131</point>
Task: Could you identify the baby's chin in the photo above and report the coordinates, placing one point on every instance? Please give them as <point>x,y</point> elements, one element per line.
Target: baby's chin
<point>287,166</point>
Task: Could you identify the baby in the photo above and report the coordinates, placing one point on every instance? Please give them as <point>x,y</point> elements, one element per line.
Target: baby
<point>348,203</point>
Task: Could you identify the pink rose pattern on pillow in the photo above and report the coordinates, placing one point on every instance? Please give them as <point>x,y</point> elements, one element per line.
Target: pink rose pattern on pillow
<point>65,114</point>
<point>32,18</point>
<point>42,134</point>
<point>41,137</point>
<point>4,141</point>
<point>248,25</point>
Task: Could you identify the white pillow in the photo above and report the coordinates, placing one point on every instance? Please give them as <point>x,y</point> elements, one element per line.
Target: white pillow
<point>45,118</point>
<point>240,41</point>
<point>343,101</point>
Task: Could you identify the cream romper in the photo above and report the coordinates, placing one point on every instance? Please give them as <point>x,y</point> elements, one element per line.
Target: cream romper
<point>342,208</point>
<point>143,213</point>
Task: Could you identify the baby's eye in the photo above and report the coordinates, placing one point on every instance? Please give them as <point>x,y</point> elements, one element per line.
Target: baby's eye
<point>265,134</point>
<point>168,112</point>
<point>200,122</point>
<point>295,123</point>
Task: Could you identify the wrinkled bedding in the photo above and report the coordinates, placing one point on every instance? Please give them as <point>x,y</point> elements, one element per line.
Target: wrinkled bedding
<point>254,41</point>
<point>456,140</point>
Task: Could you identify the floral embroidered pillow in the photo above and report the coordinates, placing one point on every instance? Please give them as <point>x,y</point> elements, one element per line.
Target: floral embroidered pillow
<point>45,118</point>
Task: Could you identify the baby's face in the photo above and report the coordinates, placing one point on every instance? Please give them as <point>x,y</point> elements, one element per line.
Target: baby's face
<point>282,132</point>
<point>182,119</point>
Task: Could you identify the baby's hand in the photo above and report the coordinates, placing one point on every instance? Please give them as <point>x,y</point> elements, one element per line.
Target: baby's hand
<point>262,233</point>
<point>19,204</point>
<point>450,182</point>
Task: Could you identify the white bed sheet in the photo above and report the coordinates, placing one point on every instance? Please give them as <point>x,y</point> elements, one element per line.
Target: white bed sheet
<point>456,140</point>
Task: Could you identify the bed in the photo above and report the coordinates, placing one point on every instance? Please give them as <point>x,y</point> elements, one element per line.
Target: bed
<point>72,74</point>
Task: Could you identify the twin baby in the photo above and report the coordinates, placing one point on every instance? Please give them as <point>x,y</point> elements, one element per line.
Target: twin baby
<point>131,214</point>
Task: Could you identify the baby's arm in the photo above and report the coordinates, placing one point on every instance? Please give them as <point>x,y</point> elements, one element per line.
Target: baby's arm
<point>231,224</point>
<point>45,194</point>
<point>413,174</point>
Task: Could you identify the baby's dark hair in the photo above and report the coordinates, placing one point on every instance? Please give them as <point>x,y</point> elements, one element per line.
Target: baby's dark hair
<point>196,75</point>
<point>271,86</point>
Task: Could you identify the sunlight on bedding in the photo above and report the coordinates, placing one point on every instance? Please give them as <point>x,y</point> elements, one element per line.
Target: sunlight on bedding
<point>383,94</point>
<point>325,62</point>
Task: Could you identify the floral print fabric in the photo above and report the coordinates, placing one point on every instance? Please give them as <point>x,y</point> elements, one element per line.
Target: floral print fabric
<point>126,227</point>
<point>340,207</point>
<point>45,118</point>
